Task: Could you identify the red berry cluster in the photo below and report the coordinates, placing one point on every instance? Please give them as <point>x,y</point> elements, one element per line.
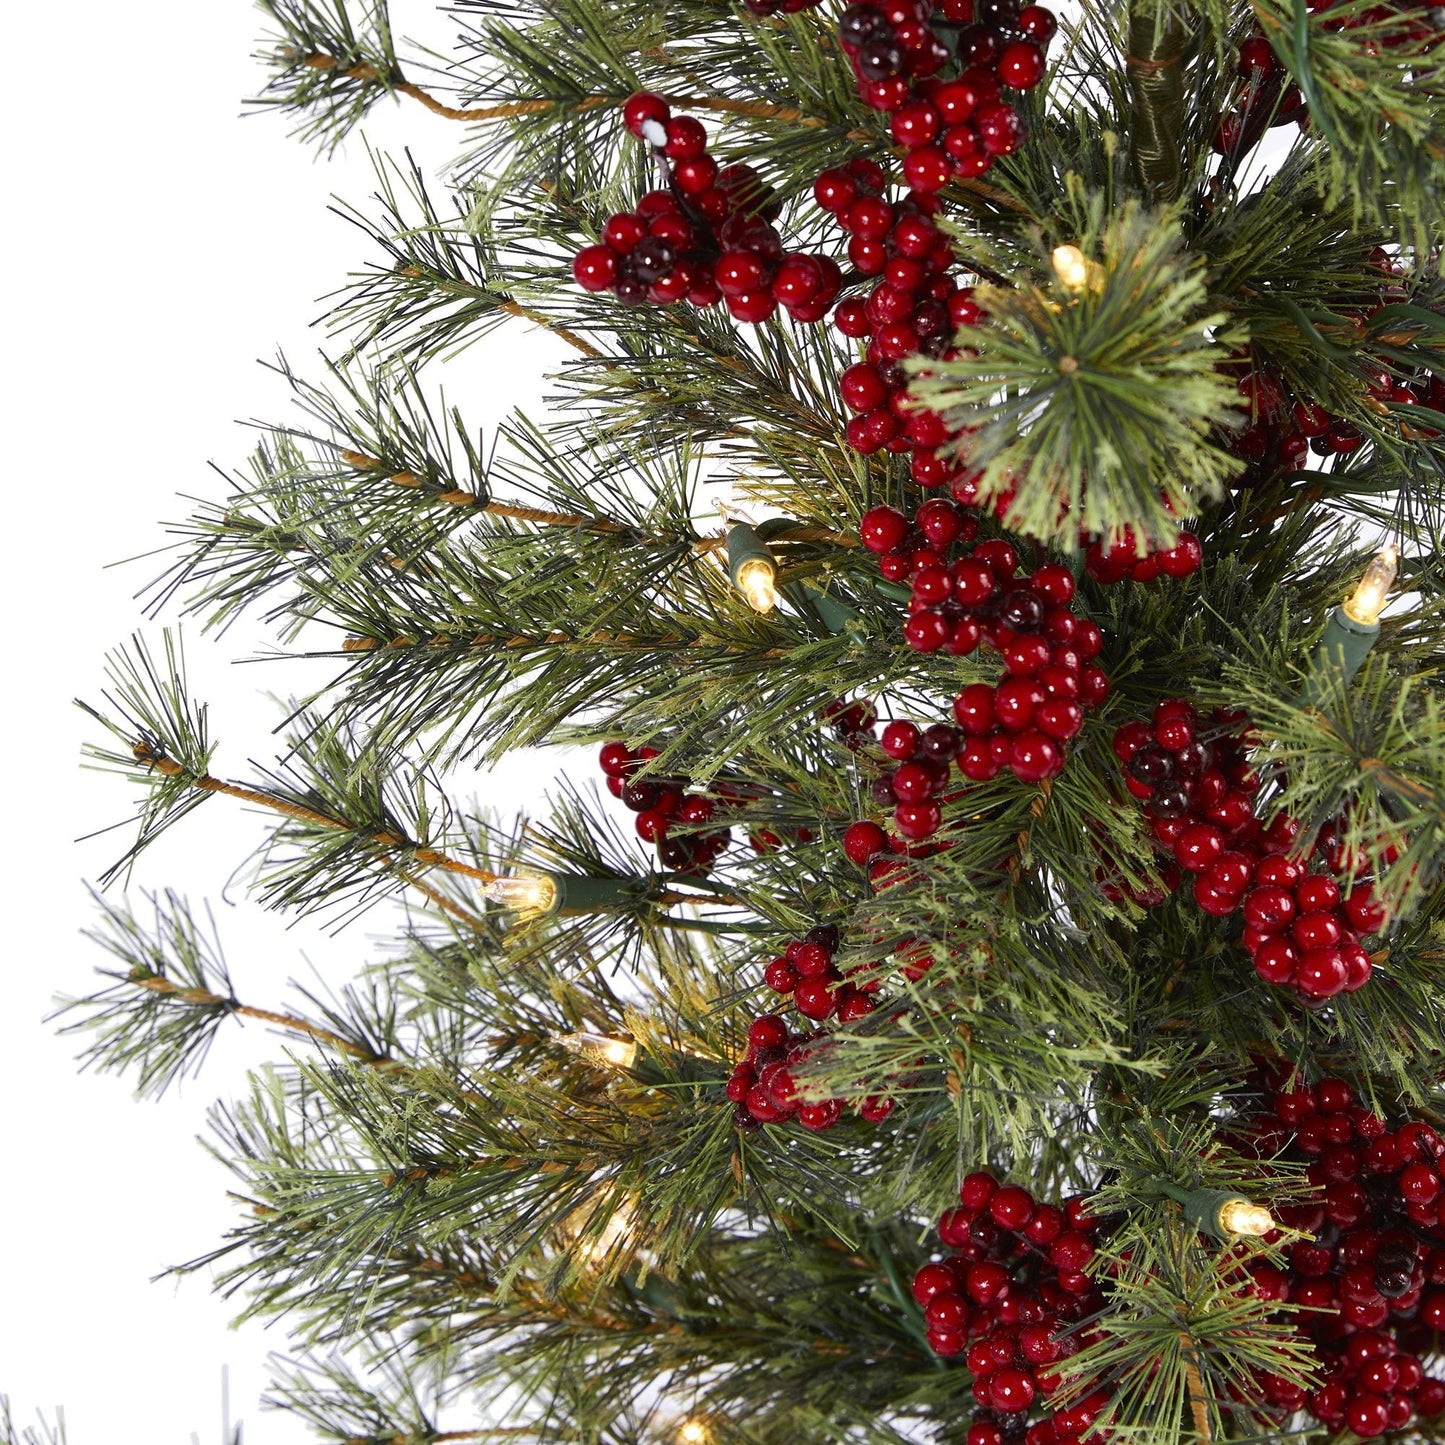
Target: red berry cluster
<point>806,972</point>
<point>1264,97</point>
<point>1372,1280</point>
<point>659,804</point>
<point>852,722</point>
<point>1107,565</point>
<point>965,593</point>
<point>708,237</point>
<point>763,1085</point>
<point>1201,790</point>
<point>912,309</point>
<point>1007,1298</point>
<point>947,127</point>
<point>1284,428</point>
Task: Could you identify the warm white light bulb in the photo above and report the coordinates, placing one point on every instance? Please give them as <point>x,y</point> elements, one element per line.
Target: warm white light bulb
<point>757,578</point>
<point>1071,267</point>
<point>1368,599</point>
<point>523,892</point>
<point>1239,1216</point>
<point>613,1232</point>
<point>619,1053</point>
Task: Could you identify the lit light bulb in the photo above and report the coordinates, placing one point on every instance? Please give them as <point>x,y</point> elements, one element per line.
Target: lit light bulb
<point>756,580</point>
<point>619,1053</point>
<point>1071,267</point>
<point>524,892</point>
<point>692,1432</point>
<point>593,1250</point>
<point>1240,1216</point>
<point>1368,599</point>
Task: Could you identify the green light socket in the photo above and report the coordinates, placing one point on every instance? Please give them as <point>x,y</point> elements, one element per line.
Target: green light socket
<point>744,545</point>
<point>1341,653</point>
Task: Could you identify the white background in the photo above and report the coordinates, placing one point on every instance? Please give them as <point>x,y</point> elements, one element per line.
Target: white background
<point>156,246</point>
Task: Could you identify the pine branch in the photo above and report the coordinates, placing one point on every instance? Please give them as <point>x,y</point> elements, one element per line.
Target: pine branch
<point>328,99</point>
<point>163,1009</point>
<point>1374,89</point>
<point>1371,757</point>
<point>151,710</point>
<point>1091,404</point>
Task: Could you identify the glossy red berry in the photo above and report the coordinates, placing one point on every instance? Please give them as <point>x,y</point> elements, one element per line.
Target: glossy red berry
<point>644,108</point>
<point>882,529</point>
<point>1021,65</point>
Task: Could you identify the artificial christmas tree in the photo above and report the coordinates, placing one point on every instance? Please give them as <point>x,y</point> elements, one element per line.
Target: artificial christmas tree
<point>1019,1014</point>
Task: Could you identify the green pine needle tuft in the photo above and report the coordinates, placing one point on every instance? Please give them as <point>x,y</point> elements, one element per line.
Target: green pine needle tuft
<point>1099,408</point>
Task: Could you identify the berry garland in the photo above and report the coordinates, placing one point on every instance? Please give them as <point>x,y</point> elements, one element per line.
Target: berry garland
<point>762,1084</point>
<point>913,309</point>
<point>661,802</point>
<point>1009,1297</point>
<point>708,237</point>
<point>955,127</point>
<point>1368,1281</point>
<point>1302,923</point>
<point>965,593</point>
<point>1372,1278</point>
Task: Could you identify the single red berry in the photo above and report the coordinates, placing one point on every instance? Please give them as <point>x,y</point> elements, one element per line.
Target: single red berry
<point>1368,1415</point>
<point>1071,1251</point>
<point>1316,892</point>
<point>686,138</point>
<point>1000,128</point>
<point>976,1190</point>
<point>594,268</point>
<point>1011,1207</point>
<point>1269,909</point>
<point>918,820</point>
<point>1011,1389</point>
<point>1034,756</point>
<point>863,841</point>
<point>1020,65</point>
<point>1038,23</point>
<point>1257,58</point>
<point>780,976</point>
<point>1199,846</point>
<point>882,529</point>
<point>987,1281</point>
<point>767,1032</point>
<point>814,998</point>
<point>862,388</point>
<point>642,108</point>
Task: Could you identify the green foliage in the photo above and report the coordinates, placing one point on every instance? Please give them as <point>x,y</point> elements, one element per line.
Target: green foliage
<point>1096,405</point>
<point>434,1176</point>
<point>41,1433</point>
<point>151,717</point>
<point>330,62</point>
<point>1372,79</point>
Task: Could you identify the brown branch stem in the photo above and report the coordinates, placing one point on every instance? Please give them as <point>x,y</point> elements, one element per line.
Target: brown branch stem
<point>621,641</point>
<point>1194,1385</point>
<point>428,857</point>
<point>290,1022</point>
<point>456,497</point>
<point>718,104</point>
